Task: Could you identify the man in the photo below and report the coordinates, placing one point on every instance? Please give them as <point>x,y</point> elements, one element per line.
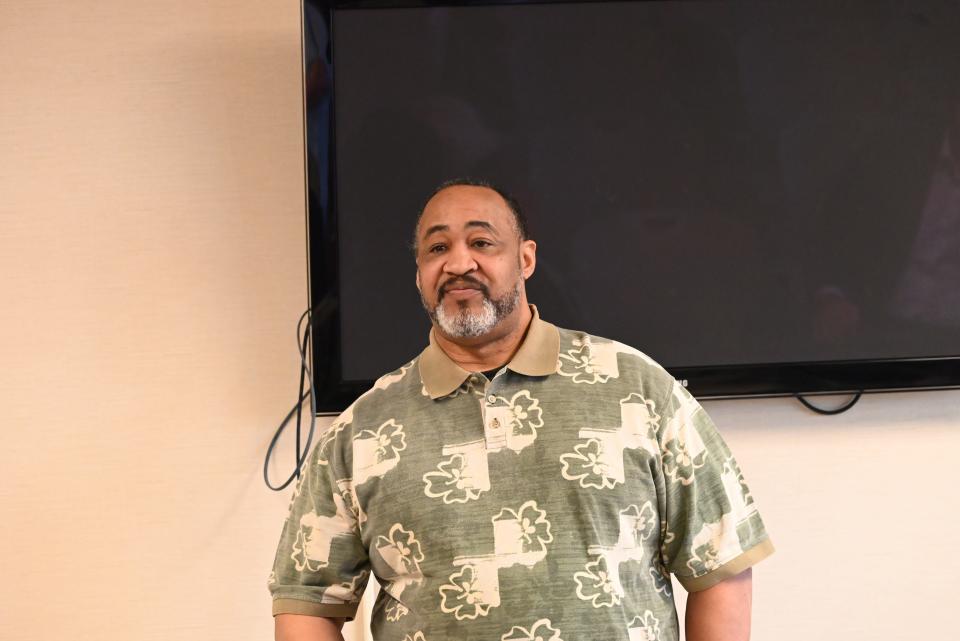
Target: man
<point>516,480</point>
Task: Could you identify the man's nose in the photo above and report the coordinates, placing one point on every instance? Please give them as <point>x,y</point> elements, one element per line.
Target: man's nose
<point>459,260</point>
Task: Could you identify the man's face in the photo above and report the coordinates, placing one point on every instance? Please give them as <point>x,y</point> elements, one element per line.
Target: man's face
<point>471,263</point>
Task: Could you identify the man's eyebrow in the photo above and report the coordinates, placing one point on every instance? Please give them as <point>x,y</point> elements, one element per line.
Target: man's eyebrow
<point>435,228</point>
<point>482,224</point>
<point>470,223</point>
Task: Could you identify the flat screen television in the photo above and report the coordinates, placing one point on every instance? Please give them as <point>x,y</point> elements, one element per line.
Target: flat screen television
<point>762,196</point>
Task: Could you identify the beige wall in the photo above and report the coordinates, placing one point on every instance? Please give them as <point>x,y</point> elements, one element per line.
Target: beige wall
<point>153,266</point>
<point>862,509</point>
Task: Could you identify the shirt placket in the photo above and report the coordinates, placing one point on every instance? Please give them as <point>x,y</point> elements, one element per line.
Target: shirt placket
<point>496,416</point>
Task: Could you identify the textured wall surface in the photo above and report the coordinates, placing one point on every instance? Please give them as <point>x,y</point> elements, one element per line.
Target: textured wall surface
<point>152,252</point>
<point>153,268</point>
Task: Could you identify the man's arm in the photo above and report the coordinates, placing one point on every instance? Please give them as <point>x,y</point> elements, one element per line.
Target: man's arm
<point>721,612</point>
<point>301,627</point>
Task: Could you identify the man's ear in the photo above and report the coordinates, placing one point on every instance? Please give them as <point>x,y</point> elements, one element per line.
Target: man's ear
<point>418,281</point>
<point>528,258</point>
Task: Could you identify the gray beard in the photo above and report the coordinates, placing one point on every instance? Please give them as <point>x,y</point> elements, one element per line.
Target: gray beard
<point>465,323</point>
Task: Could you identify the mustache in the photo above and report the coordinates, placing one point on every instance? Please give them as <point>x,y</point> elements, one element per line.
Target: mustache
<point>462,282</point>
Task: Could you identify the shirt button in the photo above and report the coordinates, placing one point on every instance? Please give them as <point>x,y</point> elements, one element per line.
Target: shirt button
<point>495,424</point>
<point>492,398</point>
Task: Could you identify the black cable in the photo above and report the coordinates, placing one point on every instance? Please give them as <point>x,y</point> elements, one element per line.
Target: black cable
<point>273,443</point>
<point>838,410</point>
<point>296,451</point>
<point>296,409</point>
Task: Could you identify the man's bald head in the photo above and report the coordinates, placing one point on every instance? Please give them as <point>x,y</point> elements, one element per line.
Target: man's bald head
<point>519,220</point>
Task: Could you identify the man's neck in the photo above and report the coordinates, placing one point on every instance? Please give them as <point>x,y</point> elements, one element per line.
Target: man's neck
<point>488,352</point>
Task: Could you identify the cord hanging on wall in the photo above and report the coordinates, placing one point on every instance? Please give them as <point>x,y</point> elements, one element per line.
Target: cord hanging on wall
<point>838,410</point>
<point>322,310</point>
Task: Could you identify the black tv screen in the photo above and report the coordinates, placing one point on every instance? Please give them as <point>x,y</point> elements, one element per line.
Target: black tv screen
<point>764,197</point>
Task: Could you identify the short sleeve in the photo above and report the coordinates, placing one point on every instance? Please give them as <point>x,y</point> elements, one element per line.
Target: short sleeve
<point>712,529</point>
<point>321,567</point>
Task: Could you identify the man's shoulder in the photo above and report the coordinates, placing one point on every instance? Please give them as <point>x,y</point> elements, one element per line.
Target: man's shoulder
<point>599,354</point>
<point>385,397</point>
<point>400,385</point>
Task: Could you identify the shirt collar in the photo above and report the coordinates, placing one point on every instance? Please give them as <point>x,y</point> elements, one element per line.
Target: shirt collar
<point>537,356</point>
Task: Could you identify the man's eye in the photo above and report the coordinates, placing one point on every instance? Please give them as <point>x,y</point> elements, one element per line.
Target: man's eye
<point>436,249</point>
<point>482,243</point>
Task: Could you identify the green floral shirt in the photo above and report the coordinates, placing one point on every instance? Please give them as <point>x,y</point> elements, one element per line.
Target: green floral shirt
<point>551,502</point>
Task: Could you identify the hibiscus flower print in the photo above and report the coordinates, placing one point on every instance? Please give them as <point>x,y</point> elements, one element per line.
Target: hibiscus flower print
<point>530,525</point>
<point>705,558</point>
<point>301,559</point>
<point>463,596</point>
<point>451,482</point>
<point>678,463</point>
<point>417,636</point>
<point>527,415</point>
<point>661,582</point>
<point>389,440</point>
<point>322,450</point>
<point>580,366</point>
<point>346,502</point>
<point>586,465</point>
<point>645,628</point>
<point>641,415</point>
<point>348,591</point>
<point>405,548</point>
<point>376,452</point>
<point>395,611</point>
<point>539,631</point>
<point>641,522</point>
<point>595,585</point>
<point>314,539</point>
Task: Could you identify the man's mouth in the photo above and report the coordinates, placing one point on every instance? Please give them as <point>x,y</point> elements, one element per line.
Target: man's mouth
<point>461,290</point>
<point>462,293</point>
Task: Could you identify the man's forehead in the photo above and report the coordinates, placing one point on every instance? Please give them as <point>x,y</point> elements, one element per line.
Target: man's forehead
<point>470,224</point>
<point>465,206</point>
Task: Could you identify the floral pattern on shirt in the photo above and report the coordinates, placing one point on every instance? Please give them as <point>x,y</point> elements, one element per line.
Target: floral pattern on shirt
<point>376,452</point>
<point>527,415</point>
<point>679,463</point>
<point>463,596</point>
<point>316,534</point>
<point>583,475</point>
<point>661,582</point>
<point>595,584</point>
<point>541,630</point>
<point>531,526</point>
<point>645,628</point>
<point>643,520</point>
<point>396,611</point>
<point>450,482</point>
<point>405,545</point>
<point>581,365</point>
<point>586,465</point>
<point>389,438</point>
